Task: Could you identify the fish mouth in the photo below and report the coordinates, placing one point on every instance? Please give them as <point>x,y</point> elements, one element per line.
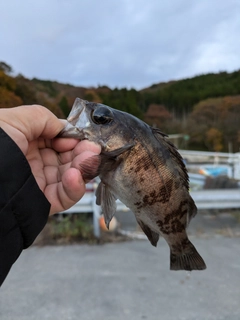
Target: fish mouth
<point>77,121</point>
<point>70,131</point>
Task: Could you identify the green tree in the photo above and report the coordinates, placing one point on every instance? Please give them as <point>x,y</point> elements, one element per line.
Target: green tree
<point>63,104</point>
<point>25,90</point>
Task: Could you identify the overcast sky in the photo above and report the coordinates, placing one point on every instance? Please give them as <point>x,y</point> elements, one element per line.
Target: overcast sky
<point>119,43</point>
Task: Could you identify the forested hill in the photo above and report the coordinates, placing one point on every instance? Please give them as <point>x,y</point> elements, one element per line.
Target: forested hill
<point>206,107</point>
<point>180,96</point>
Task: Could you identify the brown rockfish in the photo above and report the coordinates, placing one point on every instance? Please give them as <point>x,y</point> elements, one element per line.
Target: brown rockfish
<point>139,166</point>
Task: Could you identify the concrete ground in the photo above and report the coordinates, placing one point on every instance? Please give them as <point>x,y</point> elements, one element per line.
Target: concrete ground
<point>127,281</point>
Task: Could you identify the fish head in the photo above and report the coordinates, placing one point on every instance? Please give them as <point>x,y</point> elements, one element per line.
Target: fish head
<point>99,123</point>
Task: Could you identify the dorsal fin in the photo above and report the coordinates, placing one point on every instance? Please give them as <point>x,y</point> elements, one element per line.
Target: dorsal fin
<point>175,155</point>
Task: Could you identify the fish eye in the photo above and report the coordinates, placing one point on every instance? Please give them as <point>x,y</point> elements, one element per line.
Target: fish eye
<point>102,115</point>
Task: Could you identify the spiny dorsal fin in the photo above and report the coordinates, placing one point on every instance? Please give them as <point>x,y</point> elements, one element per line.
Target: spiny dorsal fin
<point>175,155</point>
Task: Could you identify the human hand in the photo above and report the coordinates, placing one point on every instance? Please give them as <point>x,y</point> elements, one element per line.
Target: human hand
<point>54,161</point>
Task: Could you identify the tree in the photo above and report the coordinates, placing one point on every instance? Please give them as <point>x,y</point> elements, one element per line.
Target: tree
<point>63,104</point>
<point>123,99</point>
<point>7,82</point>
<point>5,68</point>
<point>158,116</point>
<point>92,96</point>
<point>25,90</point>
<point>214,139</point>
<point>212,118</point>
<point>8,99</point>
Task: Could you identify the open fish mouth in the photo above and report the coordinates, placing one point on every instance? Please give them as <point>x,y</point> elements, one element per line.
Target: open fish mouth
<point>76,121</point>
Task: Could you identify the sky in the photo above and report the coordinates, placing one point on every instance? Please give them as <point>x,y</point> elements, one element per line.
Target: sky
<point>119,43</point>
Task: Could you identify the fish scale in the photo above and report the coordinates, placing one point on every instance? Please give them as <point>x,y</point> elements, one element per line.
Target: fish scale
<point>142,168</point>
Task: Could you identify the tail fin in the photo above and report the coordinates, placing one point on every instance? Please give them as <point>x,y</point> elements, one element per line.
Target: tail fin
<point>189,260</point>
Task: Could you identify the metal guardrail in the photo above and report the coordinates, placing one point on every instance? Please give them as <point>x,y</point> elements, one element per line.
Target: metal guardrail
<point>204,199</point>
<point>217,198</point>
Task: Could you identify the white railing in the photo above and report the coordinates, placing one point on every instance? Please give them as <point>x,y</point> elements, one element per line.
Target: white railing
<point>232,160</point>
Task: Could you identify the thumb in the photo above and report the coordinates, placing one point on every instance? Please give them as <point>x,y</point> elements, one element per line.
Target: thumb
<point>33,121</point>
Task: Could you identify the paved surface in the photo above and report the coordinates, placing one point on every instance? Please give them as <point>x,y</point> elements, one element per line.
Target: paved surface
<point>123,281</point>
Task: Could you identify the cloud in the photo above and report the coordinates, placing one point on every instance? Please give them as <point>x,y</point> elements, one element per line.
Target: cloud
<point>119,43</point>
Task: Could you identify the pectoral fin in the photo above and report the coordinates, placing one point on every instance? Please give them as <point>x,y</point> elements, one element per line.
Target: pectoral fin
<point>116,152</point>
<point>90,167</point>
<point>152,235</point>
<point>103,163</point>
<point>107,201</point>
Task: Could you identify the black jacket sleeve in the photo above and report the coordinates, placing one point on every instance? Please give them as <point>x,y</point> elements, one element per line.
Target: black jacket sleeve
<point>23,207</point>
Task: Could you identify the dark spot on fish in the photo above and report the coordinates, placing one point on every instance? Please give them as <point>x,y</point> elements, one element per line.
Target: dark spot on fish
<point>142,179</point>
<point>172,228</point>
<point>137,203</point>
<point>178,213</point>
<point>142,164</point>
<point>162,196</point>
<point>177,226</point>
<point>139,191</point>
<point>145,199</point>
<point>153,194</point>
<point>159,223</point>
<point>177,184</point>
<point>164,228</point>
<point>151,198</point>
<point>172,221</point>
<point>165,191</point>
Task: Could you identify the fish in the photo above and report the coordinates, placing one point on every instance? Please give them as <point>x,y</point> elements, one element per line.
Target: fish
<point>139,166</point>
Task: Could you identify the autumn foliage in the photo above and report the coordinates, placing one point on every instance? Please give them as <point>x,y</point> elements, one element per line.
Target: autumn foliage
<point>8,98</point>
<point>214,123</point>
